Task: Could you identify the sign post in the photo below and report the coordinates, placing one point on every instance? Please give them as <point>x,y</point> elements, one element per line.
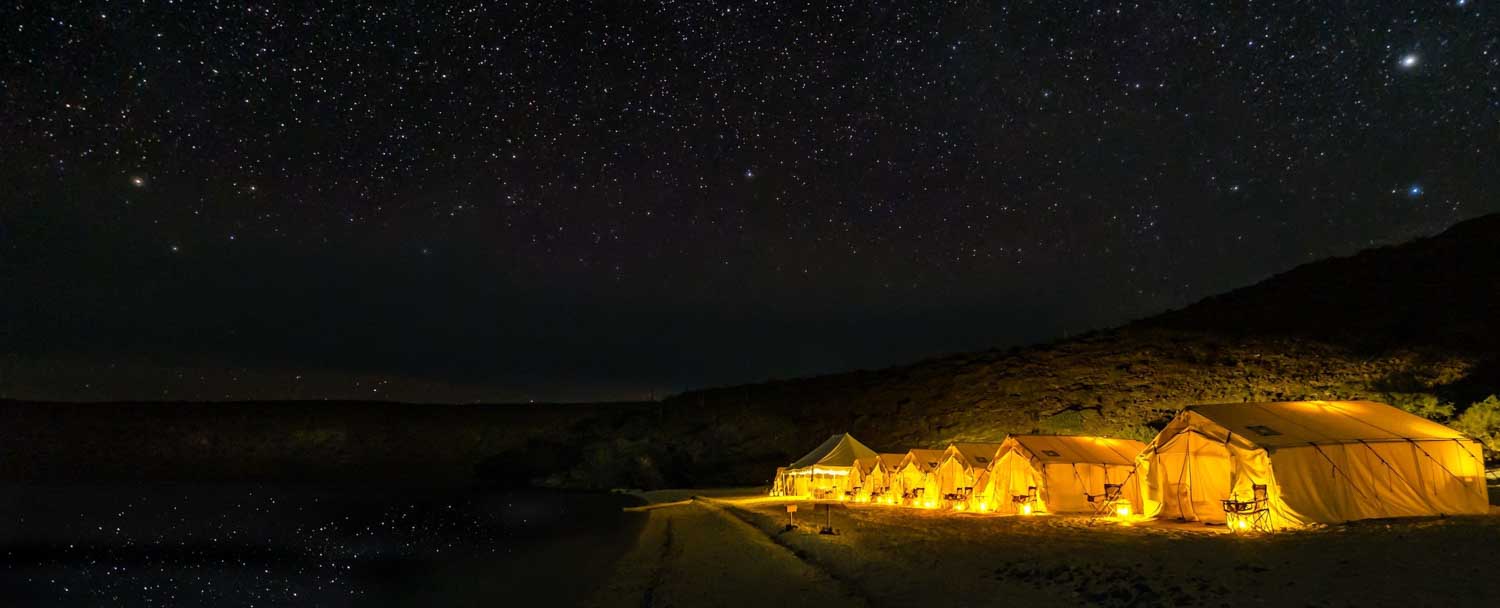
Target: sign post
<point>791,517</point>
<point>828,525</point>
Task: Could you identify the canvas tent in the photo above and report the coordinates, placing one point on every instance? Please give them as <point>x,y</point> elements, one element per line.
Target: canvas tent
<point>960,467</point>
<point>878,484</point>
<point>1065,470</point>
<point>916,480</point>
<point>1316,462</point>
<point>864,473</point>
<point>826,472</point>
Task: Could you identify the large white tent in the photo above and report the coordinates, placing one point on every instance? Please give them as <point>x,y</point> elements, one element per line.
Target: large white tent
<point>1298,463</point>
<point>829,471</point>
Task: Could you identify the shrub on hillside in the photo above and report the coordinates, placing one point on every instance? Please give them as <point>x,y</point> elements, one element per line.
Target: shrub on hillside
<point>1482,421</point>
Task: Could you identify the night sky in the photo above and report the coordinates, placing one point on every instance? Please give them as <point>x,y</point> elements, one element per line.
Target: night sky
<point>576,201</point>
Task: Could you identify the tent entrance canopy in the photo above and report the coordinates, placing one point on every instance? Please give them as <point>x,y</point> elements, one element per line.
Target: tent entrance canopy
<point>1320,462</point>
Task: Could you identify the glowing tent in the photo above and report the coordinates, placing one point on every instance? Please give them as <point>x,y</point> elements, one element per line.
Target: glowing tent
<point>1276,465</point>
<point>864,471</point>
<point>960,467</point>
<point>916,478</point>
<point>878,484</point>
<point>1069,474</point>
<point>826,472</point>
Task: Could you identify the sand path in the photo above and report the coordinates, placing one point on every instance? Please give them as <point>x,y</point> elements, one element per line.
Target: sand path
<point>696,554</point>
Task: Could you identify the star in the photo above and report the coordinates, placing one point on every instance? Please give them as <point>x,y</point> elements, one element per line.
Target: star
<point>138,181</point>
<point>1409,61</point>
<point>1414,191</point>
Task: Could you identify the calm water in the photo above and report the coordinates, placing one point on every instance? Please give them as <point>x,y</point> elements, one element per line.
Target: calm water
<point>303,544</point>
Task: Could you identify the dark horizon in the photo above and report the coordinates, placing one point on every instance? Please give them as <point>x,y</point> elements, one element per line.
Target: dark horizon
<point>582,204</point>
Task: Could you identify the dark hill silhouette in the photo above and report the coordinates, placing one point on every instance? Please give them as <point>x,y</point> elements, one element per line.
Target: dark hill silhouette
<point>1440,291</point>
<point>1415,325</point>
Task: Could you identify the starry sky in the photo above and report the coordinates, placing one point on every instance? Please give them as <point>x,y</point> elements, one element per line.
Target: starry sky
<point>579,201</point>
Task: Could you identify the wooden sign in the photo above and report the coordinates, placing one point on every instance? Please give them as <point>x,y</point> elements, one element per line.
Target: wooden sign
<point>791,508</point>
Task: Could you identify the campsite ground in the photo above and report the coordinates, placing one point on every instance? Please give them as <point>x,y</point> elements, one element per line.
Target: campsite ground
<point>732,551</point>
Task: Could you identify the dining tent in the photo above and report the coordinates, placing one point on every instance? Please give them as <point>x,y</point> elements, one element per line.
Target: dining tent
<point>916,480</point>
<point>1066,471</point>
<point>960,467</point>
<point>1314,462</point>
<point>826,472</point>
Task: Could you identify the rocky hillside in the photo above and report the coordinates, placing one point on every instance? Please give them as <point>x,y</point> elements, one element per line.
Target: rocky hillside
<point>1416,325</point>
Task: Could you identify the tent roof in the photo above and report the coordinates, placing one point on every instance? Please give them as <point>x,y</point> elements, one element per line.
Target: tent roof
<point>839,450</point>
<point>866,464</point>
<point>1080,449</point>
<point>925,460</point>
<point>974,454</point>
<point>1293,423</point>
<point>891,461</point>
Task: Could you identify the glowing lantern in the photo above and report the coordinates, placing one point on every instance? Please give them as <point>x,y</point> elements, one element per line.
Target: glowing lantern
<point>1243,524</point>
<point>984,507</point>
<point>958,506</point>
<point>1123,510</point>
<point>930,504</point>
<point>1026,509</point>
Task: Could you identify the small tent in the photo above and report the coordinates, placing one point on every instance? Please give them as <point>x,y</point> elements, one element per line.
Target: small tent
<point>826,472</point>
<point>1310,462</point>
<point>878,484</point>
<point>865,472</point>
<point>916,478</point>
<point>1065,470</point>
<point>960,468</point>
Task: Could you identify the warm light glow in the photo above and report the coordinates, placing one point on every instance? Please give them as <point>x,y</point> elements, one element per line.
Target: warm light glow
<point>1244,524</point>
<point>1123,510</point>
<point>1026,509</point>
<point>930,504</point>
<point>984,507</point>
<point>958,506</point>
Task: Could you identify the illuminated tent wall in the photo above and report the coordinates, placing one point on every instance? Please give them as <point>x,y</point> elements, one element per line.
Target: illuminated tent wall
<point>960,467</point>
<point>917,471</point>
<point>1321,462</point>
<point>882,477</point>
<point>826,472</point>
<point>865,472</point>
<point>1065,469</point>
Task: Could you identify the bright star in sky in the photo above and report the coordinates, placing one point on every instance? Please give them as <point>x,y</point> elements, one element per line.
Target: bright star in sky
<point>1414,190</point>
<point>1409,60</point>
<point>138,181</point>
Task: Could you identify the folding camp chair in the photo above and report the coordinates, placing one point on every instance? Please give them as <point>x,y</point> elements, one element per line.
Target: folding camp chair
<point>1249,515</point>
<point>1107,503</point>
<point>1025,503</point>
